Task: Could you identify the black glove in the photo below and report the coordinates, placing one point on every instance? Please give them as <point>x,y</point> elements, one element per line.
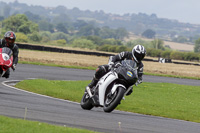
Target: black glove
<point>110,64</point>
<point>117,65</point>
<point>13,67</point>
<point>138,82</point>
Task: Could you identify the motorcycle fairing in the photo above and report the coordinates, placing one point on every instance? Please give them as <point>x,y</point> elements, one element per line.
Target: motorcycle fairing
<point>6,59</point>
<point>103,84</point>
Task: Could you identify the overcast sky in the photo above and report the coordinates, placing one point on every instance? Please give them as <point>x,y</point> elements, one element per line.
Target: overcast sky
<point>181,10</point>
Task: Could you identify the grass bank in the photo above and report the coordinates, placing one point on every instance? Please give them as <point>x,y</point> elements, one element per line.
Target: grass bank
<point>158,99</point>
<point>10,125</point>
<point>81,61</point>
<point>56,65</point>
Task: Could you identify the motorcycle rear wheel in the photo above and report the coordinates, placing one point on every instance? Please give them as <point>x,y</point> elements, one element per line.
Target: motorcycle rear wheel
<point>112,100</point>
<point>85,102</point>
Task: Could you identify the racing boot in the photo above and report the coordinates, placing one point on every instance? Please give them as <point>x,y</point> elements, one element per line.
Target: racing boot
<point>93,82</point>
<point>89,88</point>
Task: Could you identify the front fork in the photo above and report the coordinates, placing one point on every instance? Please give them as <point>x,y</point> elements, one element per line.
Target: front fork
<point>131,87</point>
<point>3,72</point>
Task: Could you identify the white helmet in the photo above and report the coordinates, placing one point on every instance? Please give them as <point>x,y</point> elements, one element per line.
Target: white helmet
<point>138,53</point>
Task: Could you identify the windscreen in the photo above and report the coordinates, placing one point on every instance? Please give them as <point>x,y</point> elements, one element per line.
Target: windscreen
<point>130,64</point>
<point>7,51</point>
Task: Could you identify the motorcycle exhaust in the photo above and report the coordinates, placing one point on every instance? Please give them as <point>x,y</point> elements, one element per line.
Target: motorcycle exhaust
<point>93,98</point>
<point>89,92</point>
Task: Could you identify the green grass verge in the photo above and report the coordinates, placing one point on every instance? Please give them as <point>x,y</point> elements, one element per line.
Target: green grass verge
<point>173,76</point>
<point>55,65</point>
<point>10,125</point>
<point>158,99</point>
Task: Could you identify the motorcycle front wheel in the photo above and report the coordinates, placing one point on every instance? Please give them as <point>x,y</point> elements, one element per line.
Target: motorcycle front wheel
<point>85,102</point>
<point>112,100</point>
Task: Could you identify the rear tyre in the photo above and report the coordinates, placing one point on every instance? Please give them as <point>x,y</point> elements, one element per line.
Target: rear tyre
<point>85,102</point>
<point>112,100</point>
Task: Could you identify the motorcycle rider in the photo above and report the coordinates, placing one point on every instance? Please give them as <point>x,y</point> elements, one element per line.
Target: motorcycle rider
<point>137,54</point>
<point>9,41</point>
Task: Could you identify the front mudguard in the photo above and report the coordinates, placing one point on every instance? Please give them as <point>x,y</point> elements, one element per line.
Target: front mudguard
<point>115,86</point>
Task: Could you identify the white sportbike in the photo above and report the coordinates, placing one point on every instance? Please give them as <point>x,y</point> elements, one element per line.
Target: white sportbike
<point>111,88</point>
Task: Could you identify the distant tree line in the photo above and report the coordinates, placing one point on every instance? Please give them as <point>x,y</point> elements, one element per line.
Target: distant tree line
<point>86,35</point>
<point>44,31</point>
<point>67,20</point>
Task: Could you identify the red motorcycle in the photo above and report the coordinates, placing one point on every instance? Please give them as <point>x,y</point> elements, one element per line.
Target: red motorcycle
<point>6,59</point>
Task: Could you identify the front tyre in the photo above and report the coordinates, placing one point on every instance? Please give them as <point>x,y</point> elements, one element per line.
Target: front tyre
<point>85,102</point>
<point>112,100</point>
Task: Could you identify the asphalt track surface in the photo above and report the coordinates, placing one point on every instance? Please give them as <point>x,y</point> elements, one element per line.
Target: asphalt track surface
<point>13,103</point>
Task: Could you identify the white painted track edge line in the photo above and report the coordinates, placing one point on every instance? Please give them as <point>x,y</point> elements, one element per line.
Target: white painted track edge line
<point>9,81</point>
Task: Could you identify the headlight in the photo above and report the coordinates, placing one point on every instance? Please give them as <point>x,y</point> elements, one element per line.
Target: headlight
<point>5,56</point>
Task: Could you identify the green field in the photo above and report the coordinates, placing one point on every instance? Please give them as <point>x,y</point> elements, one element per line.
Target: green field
<point>158,99</point>
<point>10,125</point>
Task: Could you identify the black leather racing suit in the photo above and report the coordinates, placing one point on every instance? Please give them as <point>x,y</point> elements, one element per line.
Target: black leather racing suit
<point>15,50</point>
<point>103,69</point>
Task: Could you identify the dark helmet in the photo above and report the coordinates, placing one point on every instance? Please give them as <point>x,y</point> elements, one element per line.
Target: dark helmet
<point>138,53</point>
<point>10,38</point>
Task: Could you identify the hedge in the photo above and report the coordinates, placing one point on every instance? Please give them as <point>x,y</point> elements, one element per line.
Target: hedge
<point>176,55</point>
<point>168,54</point>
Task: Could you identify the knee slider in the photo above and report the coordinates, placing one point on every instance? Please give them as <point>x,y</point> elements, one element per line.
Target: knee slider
<point>100,71</point>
